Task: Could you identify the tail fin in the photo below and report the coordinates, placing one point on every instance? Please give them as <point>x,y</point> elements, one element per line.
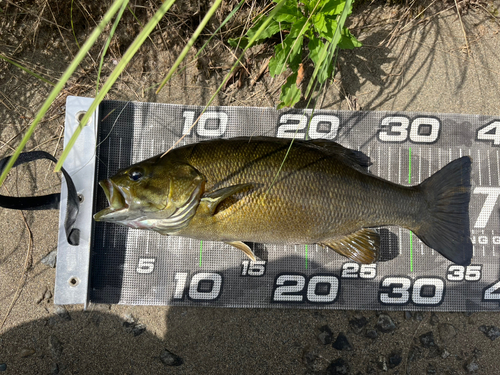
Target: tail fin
<point>445,227</point>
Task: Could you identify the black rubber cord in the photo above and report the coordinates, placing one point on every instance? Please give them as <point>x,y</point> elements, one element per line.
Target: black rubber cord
<point>46,202</point>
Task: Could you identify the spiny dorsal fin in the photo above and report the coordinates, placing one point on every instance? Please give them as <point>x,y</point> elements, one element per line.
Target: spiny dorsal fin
<point>213,199</point>
<point>362,246</point>
<point>243,247</point>
<point>354,158</point>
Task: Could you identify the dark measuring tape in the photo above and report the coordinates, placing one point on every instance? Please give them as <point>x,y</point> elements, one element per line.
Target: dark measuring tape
<point>46,202</point>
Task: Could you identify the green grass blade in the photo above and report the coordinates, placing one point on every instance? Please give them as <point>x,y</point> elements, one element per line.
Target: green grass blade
<point>131,51</point>
<point>249,45</point>
<point>330,50</point>
<point>26,70</point>
<point>235,65</point>
<point>190,43</point>
<point>108,41</point>
<point>71,21</point>
<point>60,84</point>
<point>226,20</point>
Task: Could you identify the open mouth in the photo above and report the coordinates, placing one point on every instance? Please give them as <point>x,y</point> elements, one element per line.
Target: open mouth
<point>115,199</point>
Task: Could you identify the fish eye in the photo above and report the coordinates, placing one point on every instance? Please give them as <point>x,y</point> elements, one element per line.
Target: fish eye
<point>135,175</point>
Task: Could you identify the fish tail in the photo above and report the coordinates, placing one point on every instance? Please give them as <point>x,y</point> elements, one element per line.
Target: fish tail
<point>445,224</point>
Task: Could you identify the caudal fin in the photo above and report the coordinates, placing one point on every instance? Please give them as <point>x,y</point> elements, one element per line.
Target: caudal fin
<point>445,227</point>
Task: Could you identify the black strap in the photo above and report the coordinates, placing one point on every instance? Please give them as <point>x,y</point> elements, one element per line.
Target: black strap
<point>46,202</point>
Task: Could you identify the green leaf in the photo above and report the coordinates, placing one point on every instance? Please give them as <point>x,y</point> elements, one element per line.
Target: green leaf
<point>315,46</point>
<point>289,13</point>
<point>289,52</point>
<point>319,23</point>
<point>348,41</point>
<point>290,93</point>
<point>273,28</point>
<point>238,42</point>
<point>328,31</point>
<point>318,54</point>
<point>333,7</point>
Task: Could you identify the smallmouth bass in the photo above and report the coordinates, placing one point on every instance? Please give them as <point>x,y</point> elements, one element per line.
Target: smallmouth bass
<point>272,190</point>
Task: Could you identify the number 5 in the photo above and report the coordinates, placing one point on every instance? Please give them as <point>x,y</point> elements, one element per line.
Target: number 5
<point>146,265</point>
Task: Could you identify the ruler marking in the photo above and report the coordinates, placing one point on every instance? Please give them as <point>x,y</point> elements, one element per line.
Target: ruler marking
<point>420,165</point>
<point>409,165</point>
<point>498,169</point>
<point>411,251</point>
<point>493,245</point>
<point>368,154</point>
<point>399,167</point>
<point>389,165</point>
<point>430,164</point>
<point>379,172</point>
<point>489,167</point>
<point>120,154</point>
<point>479,166</point>
<point>400,241</point>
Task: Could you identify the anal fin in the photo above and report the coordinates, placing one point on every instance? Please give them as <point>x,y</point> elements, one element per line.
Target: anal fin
<point>243,247</point>
<point>362,246</point>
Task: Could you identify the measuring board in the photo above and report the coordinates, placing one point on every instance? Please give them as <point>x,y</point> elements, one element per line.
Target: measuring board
<point>115,264</point>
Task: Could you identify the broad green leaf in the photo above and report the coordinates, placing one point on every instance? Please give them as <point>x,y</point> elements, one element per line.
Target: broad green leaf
<point>289,13</point>
<point>348,41</point>
<point>273,28</point>
<point>290,93</point>
<point>330,27</point>
<point>319,23</point>
<point>289,52</point>
<point>333,7</point>
<point>319,70</point>
<point>318,53</point>
<point>315,46</point>
<point>238,42</point>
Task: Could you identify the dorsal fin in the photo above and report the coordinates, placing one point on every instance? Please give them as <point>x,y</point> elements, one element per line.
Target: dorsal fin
<point>354,158</point>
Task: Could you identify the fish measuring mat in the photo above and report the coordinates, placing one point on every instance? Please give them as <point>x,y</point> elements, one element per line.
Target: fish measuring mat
<point>142,267</point>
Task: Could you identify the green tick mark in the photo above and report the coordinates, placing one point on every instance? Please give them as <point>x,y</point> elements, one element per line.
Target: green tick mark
<point>201,248</point>
<point>409,165</point>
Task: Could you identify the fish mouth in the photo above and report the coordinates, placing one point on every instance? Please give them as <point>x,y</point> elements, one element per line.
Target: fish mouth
<point>116,200</point>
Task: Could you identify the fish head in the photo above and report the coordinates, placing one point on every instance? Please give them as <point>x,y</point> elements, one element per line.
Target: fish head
<point>152,191</point>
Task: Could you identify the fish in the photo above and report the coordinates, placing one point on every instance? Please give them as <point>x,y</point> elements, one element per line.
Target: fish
<point>283,191</point>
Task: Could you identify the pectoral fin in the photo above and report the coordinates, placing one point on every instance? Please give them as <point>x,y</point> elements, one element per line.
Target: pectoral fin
<point>212,200</point>
<point>362,246</point>
<point>243,247</point>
